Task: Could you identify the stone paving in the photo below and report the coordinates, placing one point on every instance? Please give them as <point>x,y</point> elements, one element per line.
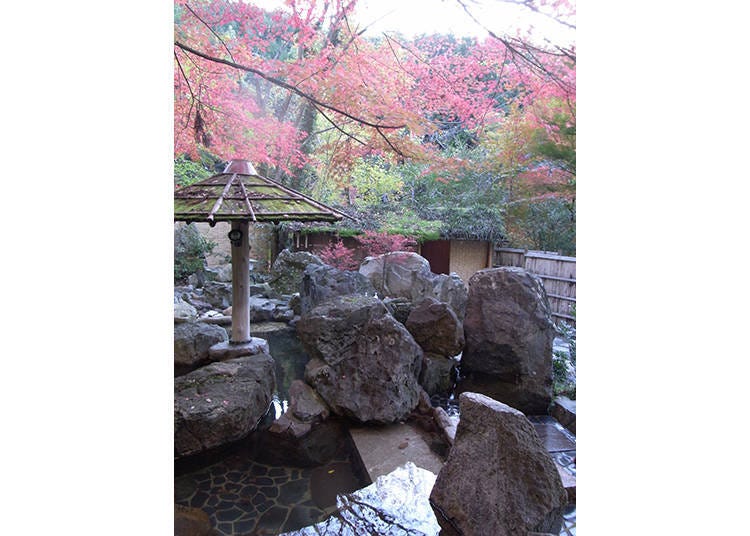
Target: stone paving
<point>242,496</point>
<point>561,445</point>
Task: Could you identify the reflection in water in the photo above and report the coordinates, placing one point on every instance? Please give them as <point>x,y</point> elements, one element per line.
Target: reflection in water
<point>397,503</point>
<point>290,357</point>
<point>256,486</point>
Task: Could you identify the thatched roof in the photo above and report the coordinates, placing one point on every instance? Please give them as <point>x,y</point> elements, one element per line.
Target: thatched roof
<point>239,193</point>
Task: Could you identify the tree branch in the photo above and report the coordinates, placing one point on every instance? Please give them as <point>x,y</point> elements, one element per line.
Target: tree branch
<point>280,83</point>
<point>527,54</point>
<point>211,30</point>
<point>334,125</point>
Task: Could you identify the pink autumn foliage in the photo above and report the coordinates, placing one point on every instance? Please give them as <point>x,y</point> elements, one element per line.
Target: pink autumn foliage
<point>379,243</point>
<point>371,244</point>
<point>399,89</point>
<point>336,254</point>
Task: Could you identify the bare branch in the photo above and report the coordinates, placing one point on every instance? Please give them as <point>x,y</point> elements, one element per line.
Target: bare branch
<point>334,125</point>
<point>525,51</point>
<point>530,5</point>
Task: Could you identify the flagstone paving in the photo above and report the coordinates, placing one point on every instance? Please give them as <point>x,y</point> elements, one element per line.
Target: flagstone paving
<point>242,496</point>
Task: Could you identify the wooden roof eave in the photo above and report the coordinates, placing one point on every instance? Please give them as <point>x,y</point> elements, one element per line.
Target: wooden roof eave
<point>260,218</point>
<point>196,192</point>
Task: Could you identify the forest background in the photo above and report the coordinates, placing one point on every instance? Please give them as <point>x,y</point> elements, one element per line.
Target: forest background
<point>424,136</point>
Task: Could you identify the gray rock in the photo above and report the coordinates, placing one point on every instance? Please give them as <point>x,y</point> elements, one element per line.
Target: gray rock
<point>192,341</point>
<point>288,268</point>
<point>403,274</point>
<point>498,478</point>
<point>221,273</point>
<point>364,362</point>
<point>183,311</point>
<point>305,404</point>
<point>445,424</point>
<point>224,351</point>
<point>263,290</point>
<point>564,411</point>
<point>266,310</point>
<point>217,294</point>
<point>200,305</point>
<point>182,291</point>
<point>400,308</point>
<point>509,333</point>
<point>438,374</point>
<point>450,289</point>
<point>221,402</point>
<point>394,274</point>
<point>436,328</point>
<point>320,283</point>
<point>295,304</point>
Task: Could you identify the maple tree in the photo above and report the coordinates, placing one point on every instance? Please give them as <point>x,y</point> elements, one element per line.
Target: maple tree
<point>248,82</point>
<point>313,100</point>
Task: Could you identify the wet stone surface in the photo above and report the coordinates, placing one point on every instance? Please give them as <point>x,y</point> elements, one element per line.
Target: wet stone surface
<point>243,496</point>
<point>561,445</point>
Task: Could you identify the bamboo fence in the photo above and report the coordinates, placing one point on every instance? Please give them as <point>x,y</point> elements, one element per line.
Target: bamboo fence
<point>557,272</point>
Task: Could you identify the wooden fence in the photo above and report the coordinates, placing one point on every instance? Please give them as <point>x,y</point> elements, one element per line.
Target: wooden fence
<point>558,274</point>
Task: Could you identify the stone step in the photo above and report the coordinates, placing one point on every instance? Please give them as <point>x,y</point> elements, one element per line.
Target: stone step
<point>564,410</point>
<point>385,448</point>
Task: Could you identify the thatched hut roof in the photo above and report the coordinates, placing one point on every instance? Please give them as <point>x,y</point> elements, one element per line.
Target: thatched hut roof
<point>239,193</point>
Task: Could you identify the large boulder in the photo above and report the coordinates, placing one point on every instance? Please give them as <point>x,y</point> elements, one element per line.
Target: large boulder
<point>436,328</point>
<point>364,364</point>
<point>403,274</point>
<point>287,269</point>
<point>394,274</point>
<point>509,333</point>
<point>221,402</point>
<point>320,283</point>
<point>192,341</point>
<point>498,478</point>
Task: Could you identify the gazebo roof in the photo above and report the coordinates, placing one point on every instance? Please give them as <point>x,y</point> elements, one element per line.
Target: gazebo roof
<point>239,193</point>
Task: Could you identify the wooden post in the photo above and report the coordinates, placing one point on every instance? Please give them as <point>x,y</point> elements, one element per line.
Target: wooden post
<point>240,281</point>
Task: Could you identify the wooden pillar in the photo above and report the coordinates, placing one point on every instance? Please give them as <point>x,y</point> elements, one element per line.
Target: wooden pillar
<point>240,281</point>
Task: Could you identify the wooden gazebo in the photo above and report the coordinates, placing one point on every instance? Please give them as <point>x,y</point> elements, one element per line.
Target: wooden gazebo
<point>239,195</point>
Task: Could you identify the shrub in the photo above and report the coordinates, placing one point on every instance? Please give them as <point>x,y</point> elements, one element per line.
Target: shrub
<point>371,244</point>
<point>564,363</point>
<point>379,243</point>
<point>190,251</point>
<point>339,256</point>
